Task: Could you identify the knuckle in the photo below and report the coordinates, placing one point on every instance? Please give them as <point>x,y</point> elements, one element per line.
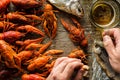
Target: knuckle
<point>55,76</point>
<point>72,65</point>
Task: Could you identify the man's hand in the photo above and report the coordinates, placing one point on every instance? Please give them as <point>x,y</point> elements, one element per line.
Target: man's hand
<point>111,41</point>
<point>64,68</point>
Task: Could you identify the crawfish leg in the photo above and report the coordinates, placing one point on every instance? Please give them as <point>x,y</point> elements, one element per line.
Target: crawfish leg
<point>54,30</point>
<point>17,61</point>
<point>45,28</point>
<point>43,48</point>
<point>20,69</point>
<point>76,23</point>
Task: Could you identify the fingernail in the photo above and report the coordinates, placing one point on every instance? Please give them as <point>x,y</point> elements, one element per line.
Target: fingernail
<point>106,38</point>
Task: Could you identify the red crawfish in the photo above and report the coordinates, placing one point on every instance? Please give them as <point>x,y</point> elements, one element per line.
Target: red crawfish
<point>3,5</point>
<point>5,26</point>
<point>11,36</point>
<point>8,54</point>
<point>76,33</point>
<point>21,17</point>
<point>26,4</point>
<point>38,63</point>
<point>49,21</point>
<point>29,28</point>
<point>32,77</point>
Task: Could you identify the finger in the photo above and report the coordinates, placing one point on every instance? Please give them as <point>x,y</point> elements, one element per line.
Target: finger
<point>117,37</point>
<point>70,68</point>
<point>59,60</point>
<point>110,31</point>
<point>54,70</point>
<point>109,46</point>
<point>115,32</point>
<point>79,75</point>
<point>61,66</point>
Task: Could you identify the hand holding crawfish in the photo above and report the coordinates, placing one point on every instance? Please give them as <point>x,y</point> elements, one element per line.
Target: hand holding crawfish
<point>80,54</point>
<point>49,21</point>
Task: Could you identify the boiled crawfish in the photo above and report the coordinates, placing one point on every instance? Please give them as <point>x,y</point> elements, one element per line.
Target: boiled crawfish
<point>16,17</point>
<point>26,4</point>
<point>47,69</point>
<point>32,77</point>
<point>49,21</point>
<point>38,63</point>
<point>23,56</point>
<point>8,55</point>
<point>21,17</point>
<point>11,36</point>
<point>26,44</point>
<point>5,26</point>
<point>79,53</point>
<point>76,34</point>
<point>3,5</point>
<point>29,28</point>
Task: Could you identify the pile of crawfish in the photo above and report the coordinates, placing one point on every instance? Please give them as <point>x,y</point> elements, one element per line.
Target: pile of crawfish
<point>22,51</point>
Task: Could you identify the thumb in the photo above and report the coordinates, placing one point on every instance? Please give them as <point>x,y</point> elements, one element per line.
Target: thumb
<point>109,46</point>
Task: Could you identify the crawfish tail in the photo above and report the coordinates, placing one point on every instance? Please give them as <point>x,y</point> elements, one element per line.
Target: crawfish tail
<point>11,36</point>
<point>16,17</point>
<point>38,62</point>
<point>26,4</point>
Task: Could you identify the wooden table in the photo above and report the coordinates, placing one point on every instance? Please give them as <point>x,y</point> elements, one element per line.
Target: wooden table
<point>63,42</point>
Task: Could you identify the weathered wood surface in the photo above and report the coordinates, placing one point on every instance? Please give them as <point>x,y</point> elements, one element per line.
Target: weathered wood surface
<point>97,72</point>
<point>63,42</point>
